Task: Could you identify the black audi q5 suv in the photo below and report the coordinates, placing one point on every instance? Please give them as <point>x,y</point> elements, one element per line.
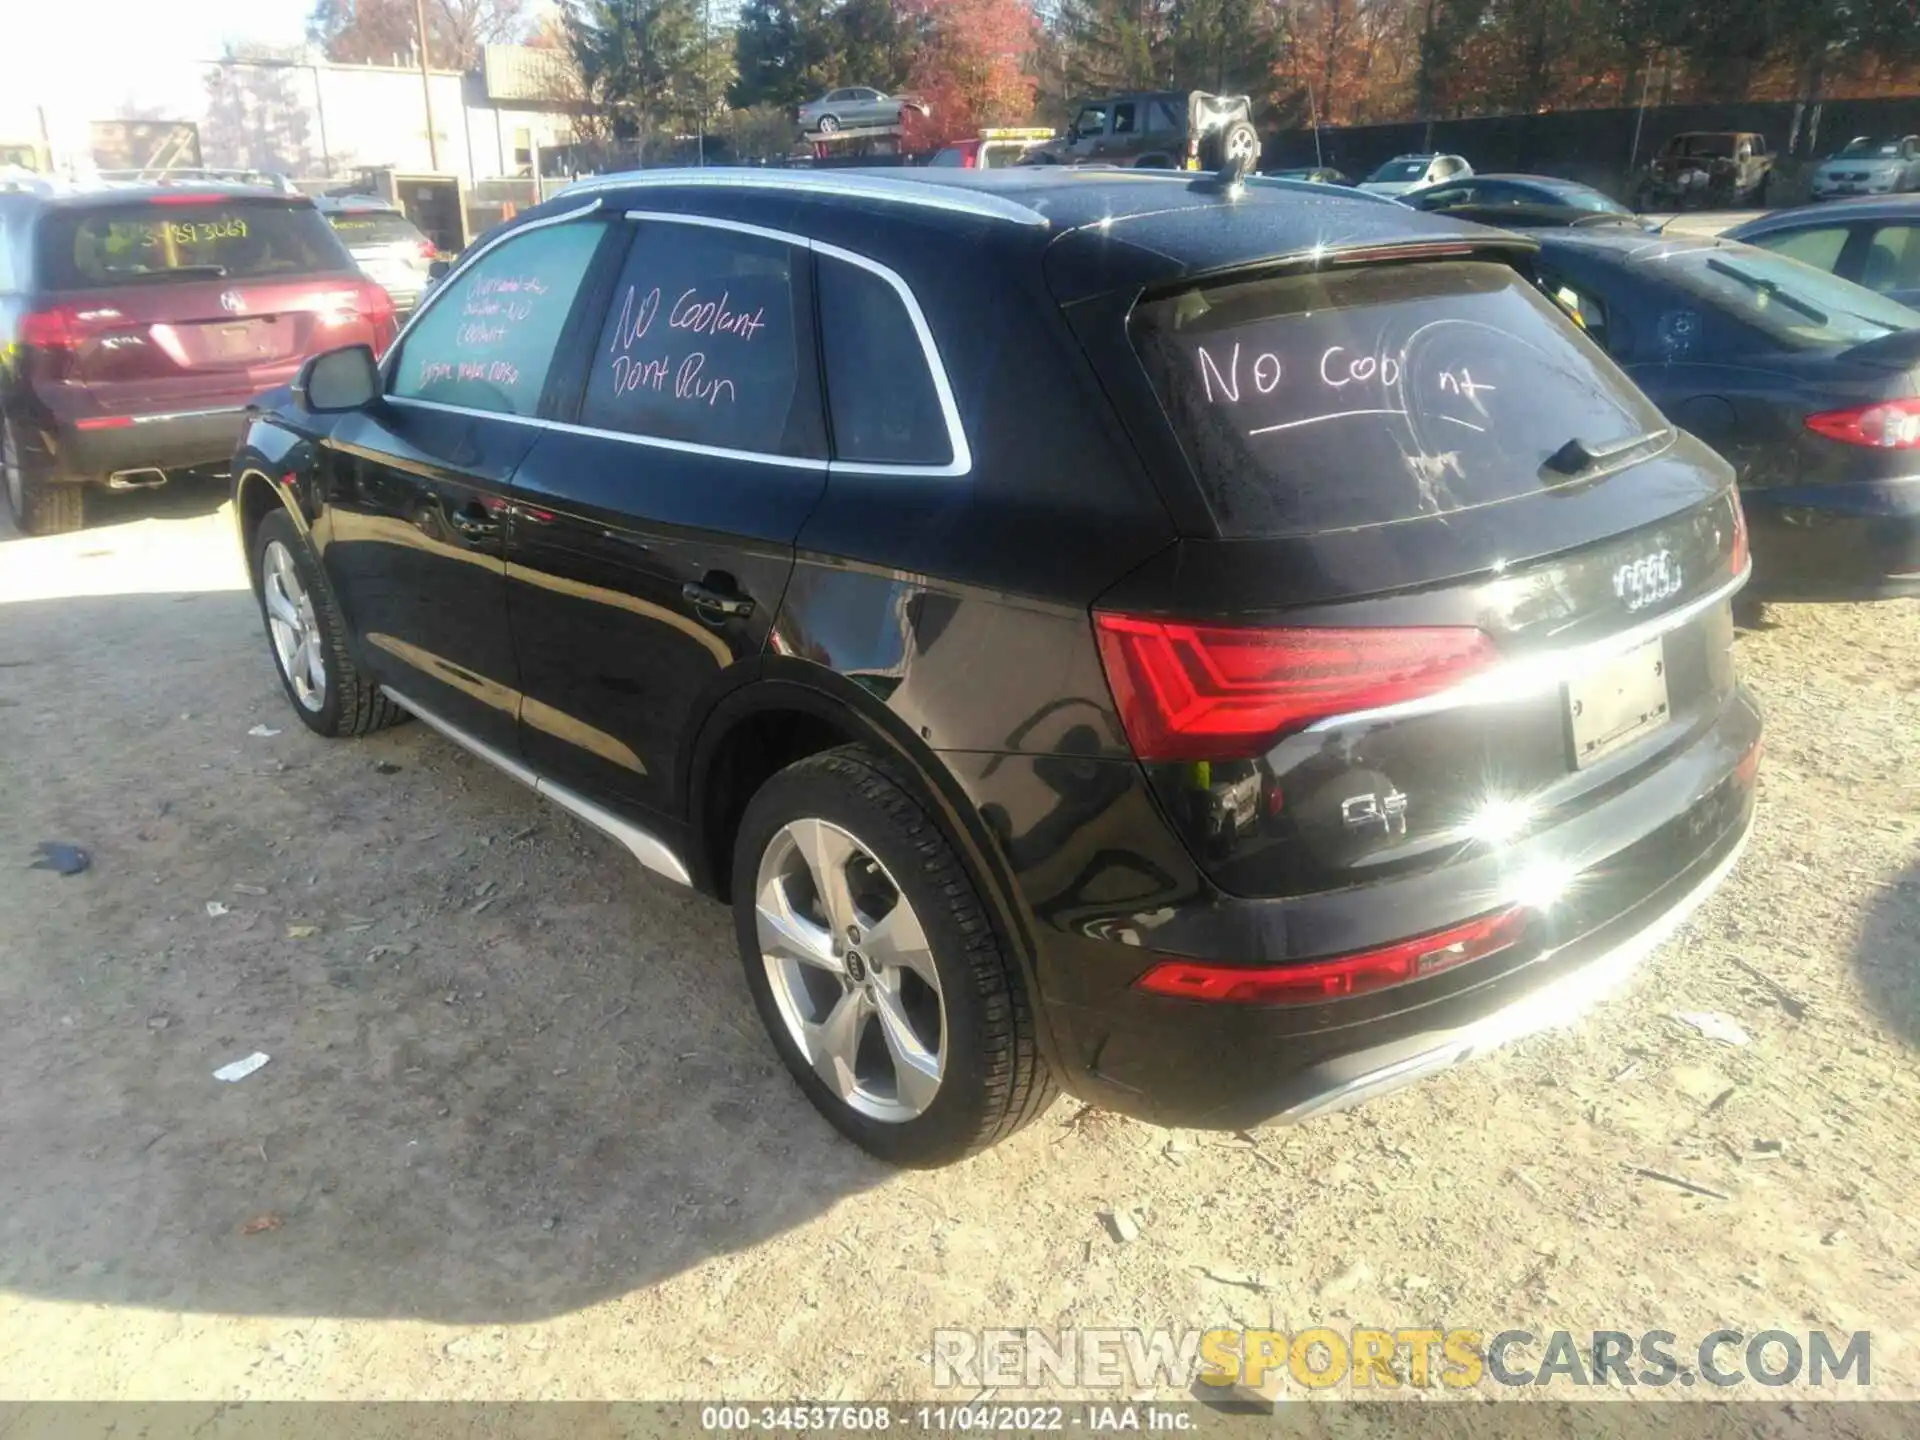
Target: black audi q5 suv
<point>1224,649</point>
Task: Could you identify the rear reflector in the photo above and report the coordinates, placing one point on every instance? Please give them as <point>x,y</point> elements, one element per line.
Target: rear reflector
<point>1738,560</point>
<point>1207,692</point>
<point>1320,980</point>
<point>104,422</point>
<point>1889,425</point>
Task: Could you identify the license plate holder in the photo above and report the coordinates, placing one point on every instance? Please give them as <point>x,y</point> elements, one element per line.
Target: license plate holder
<point>1618,702</point>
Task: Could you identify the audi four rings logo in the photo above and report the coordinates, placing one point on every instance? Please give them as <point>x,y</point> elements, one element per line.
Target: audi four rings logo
<point>1648,580</point>
<point>233,302</point>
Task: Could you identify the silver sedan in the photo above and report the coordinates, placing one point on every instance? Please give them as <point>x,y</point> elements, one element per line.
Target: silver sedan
<point>853,106</point>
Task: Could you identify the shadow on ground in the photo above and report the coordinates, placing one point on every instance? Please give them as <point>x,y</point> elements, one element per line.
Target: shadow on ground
<point>511,1074</point>
<point>1887,956</point>
<point>185,498</point>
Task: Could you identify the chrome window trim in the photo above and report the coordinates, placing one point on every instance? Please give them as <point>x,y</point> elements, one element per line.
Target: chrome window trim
<point>692,447</point>
<point>474,256</point>
<point>921,194</point>
<point>1530,675</point>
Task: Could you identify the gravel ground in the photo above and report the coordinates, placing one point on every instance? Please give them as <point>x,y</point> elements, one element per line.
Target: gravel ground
<point>520,1135</point>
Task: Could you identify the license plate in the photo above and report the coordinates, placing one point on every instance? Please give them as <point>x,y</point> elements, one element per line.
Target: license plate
<point>1617,703</point>
<point>235,342</point>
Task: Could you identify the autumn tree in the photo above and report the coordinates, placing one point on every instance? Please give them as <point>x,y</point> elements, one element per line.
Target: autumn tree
<point>971,64</point>
<point>379,32</point>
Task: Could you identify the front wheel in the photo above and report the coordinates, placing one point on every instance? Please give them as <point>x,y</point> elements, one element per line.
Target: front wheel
<point>308,640</point>
<point>876,969</point>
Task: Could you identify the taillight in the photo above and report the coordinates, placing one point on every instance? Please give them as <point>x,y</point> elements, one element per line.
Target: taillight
<point>366,303</point>
<point>1205,692</point>
<point>54,329</point>
<point>1315,981</point>
<point>1738,560</point>
<point>1888,425</point>
<point>429,251</point>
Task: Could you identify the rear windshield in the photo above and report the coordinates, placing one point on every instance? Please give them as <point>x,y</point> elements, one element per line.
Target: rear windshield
<point>374,227</point>
<point>1796,305</point>
<point>186,239</point>
<point>1362,397</point>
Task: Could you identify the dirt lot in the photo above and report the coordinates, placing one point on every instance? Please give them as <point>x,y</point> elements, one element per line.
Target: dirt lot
<point>520,1134</point>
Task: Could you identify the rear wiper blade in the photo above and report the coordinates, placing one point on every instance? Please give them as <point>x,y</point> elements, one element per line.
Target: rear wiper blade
<point>1772,291</point>
<point>176,272</point>
<point>1578,456</point>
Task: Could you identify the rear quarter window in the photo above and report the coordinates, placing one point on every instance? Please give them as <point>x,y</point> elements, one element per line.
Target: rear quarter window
<point>1384,394</point>
<point>155,241</point>
<point>881,396</point>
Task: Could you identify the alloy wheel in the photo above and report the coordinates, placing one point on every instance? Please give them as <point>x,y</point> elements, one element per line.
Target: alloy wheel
<point>1241,144</point>
<point>851,970</point>
<point>297,643</point>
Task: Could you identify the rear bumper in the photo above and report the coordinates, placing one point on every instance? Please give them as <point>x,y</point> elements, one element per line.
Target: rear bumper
<point>1835,542</point>
<point>178,440</point>
<point>1640,862</point>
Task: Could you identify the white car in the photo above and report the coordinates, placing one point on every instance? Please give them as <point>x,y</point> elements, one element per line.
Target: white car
<point>1410,172</point>
<point>1869,166</point>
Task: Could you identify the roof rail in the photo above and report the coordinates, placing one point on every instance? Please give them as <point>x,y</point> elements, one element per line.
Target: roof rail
<point>898,190</point>
<point>199,175</point>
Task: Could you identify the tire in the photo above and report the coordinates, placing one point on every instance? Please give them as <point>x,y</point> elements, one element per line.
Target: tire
<point>1239,138</point>
<point>343,702</point>
<point>829,124</point>
<point>39,506</point>
<point>1763,189</point>
<point>844,812</point>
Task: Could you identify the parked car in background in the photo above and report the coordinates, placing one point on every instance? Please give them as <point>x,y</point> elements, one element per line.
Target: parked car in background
<point>991,149</point>
<point>1866,165</point>
<point>1312,174</point>
<point>1411,172</point>
<point>1804,381</point>
<point>136,322</point>
<point>1520,202</point>
<point>853,106</point>
<point>393,251</point>
<point>1875,243</point>
<point>955,590</point>
<point>1158,129</point>
<point>1708,168</point>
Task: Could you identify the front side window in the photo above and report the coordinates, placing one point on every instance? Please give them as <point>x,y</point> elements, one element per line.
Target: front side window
<point>487,338</point>
<point>1092,121</point>
<point>706,343</point>
<point>881,396</point>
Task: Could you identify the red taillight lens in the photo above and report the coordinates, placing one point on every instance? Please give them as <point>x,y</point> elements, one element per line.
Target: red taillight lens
<point>429,251</point>
<point>1738,560</point>
<point>1204,692</point>
<point>104,422</point>
<point>1319,980</point>
<point>55,329</point>
<point>1889,425</point>
<point>1748,770</point>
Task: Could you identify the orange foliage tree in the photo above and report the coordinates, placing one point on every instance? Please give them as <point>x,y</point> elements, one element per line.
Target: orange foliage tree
<point>972,67</point>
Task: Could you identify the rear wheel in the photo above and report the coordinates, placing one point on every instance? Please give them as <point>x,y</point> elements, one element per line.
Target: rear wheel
<point>39,506</point>
<point>829,124</point>
<point>876,969</point>
<point>308,640</point>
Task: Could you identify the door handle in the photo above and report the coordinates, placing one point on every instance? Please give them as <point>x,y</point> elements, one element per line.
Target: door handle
<point>475,521</point>
<point>713,604</point>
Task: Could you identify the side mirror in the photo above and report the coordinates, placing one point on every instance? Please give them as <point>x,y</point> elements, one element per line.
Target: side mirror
<point>439,269</point>
<point>338,381</point>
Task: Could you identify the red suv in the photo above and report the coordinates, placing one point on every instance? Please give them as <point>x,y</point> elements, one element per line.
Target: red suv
<point>136,322</point>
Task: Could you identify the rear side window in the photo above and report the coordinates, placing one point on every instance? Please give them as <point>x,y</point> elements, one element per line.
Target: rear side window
<point>185,238</point>
<point>705,343</point>
<point>487,338</point>
<point>374,227</point>
<point>1368,396</point>
<point>881,396</point>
